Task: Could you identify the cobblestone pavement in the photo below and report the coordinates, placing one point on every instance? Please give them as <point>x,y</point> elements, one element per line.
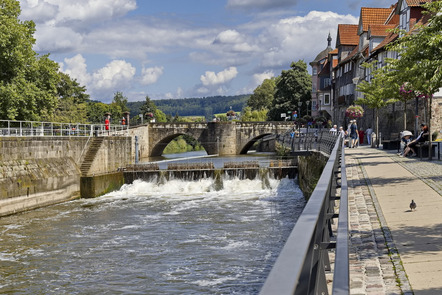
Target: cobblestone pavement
<point>375,266</point>
<point>429,172</point>
<point>371,269</point>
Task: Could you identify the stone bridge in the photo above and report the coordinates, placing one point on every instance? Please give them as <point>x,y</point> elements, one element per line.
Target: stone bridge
<point>223,138</point>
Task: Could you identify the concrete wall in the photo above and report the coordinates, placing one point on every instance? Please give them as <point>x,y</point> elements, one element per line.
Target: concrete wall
<point>40,171</point>
<point>309,171</point>
<point>115,152</point>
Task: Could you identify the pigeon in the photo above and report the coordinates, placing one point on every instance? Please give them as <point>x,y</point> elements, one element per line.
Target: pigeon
<point>413,205</point>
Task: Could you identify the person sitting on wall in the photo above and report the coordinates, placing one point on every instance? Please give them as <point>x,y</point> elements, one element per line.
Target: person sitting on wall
<point>405,139</point>
<point>423,137</point>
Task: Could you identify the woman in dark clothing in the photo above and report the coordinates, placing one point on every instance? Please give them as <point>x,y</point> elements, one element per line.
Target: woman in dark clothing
<point>423,136</point>
<point>353,134</point>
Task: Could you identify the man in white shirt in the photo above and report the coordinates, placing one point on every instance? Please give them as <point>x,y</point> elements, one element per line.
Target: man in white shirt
<point>368,132</point>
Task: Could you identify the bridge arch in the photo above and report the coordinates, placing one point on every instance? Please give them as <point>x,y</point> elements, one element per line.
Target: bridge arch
<point>159,147</point>
<point>223,138</point>
<point>245,148</point>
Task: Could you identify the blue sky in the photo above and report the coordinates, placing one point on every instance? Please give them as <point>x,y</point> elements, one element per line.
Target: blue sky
<point>183,48</point>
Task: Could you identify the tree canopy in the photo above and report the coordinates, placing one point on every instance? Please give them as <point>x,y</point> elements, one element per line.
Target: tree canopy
<point>31,86</point>
<point>292,86</point>
<point>420,52</point>
<point>263,95</point>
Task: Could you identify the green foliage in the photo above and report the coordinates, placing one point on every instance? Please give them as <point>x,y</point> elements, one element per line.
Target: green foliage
<point>28,83</point>
<point>160,116</point>
<point>256,115</point>
<point>182,144</point>
<point>379,91</point>
<point>118,107</point>
<point>421,54</point>
<point>95,112</point>
<point>292,86</point>
<point>206,106</point>
<point>263,95</point>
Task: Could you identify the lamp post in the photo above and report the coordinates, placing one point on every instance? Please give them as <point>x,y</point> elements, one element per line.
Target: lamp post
<point>308,104</point>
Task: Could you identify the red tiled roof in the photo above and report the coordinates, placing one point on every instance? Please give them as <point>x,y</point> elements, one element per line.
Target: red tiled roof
<point>380,30</point>
<point>347,35</point>
<point>334,51</point>
<point>417,3</point>
<point>373,16</point>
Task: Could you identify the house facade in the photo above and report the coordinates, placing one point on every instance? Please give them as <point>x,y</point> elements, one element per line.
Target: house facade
<point>367,42</point>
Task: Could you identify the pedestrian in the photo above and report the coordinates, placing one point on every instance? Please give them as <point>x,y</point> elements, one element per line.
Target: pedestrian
<point>368,132</point>
<point>361,136</point>
<point>342,132</point>
<point>334,129</point>
<point>353,134</point>
<point>107,124</point>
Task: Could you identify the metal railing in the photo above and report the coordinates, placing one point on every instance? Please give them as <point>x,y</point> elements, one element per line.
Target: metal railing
<point>304,261</point>
<point>323,141</point>
<point>33,128</point>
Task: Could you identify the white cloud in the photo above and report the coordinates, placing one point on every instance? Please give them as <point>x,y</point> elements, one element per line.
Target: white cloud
<point>59,12</point>
<point>298,37</point>
<point>212,78</point>
<point>258,78</point>
<point>116,74</point>
<point>56,39</point>
<point>151,75</point>
<point>228,37</point>
<point>77,69</point>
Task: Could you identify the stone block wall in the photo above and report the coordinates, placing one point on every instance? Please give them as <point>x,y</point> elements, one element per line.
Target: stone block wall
<point>39,171</point>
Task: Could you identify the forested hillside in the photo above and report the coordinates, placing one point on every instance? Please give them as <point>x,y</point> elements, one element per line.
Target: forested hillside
<point>206,106</point>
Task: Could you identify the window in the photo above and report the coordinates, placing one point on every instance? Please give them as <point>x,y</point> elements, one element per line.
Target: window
<point>326,82</point>
<point>327,99</point>
<point>315,71</point>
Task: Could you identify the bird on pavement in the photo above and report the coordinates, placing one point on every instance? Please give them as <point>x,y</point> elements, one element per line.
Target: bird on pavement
<point>413,205</point>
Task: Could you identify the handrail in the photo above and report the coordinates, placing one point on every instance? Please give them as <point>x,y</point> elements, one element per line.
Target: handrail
<point>302,264</point>
<point>34,128</point>
<point>341,285</point>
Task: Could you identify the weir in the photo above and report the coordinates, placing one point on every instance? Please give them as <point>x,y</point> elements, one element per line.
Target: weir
<point>150,172</point>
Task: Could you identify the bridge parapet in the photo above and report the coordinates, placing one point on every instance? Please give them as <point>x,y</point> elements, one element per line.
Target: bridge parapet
<point>224,138</point>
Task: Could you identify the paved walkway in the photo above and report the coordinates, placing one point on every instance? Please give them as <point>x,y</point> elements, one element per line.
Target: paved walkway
<point>394,250</point>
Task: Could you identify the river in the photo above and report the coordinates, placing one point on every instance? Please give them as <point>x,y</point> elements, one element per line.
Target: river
<point>179,237</point>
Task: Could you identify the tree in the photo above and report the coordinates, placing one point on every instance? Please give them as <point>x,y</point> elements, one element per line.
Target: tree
<point>249,115</point>
<point>72,101</point>
<point>28,82</point>
<point>377,93</point>
<point>292,86</point>
<point>263,95</point>
<point>420,52</point>
<point>118,106</point>
<point>148,106</point>
<point>95,112</point>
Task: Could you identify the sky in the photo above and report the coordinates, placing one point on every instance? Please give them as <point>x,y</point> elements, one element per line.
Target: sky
<point>183,48</point>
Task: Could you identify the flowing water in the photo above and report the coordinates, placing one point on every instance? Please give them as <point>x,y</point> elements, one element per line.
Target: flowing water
<point>180,237</point>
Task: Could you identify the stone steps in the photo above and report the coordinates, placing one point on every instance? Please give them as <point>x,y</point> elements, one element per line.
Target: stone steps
<point>90,155</point>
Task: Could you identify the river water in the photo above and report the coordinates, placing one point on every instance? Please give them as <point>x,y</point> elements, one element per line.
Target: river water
<point>179,237</point>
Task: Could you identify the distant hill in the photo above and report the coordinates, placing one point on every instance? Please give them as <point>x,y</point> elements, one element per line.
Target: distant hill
<point>206,106</point>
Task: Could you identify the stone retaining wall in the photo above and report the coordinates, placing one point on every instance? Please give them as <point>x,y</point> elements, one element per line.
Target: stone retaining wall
<point>39,171</point>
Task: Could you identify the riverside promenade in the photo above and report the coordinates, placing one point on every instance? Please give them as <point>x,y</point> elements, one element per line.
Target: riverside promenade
<point>394,250</point>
